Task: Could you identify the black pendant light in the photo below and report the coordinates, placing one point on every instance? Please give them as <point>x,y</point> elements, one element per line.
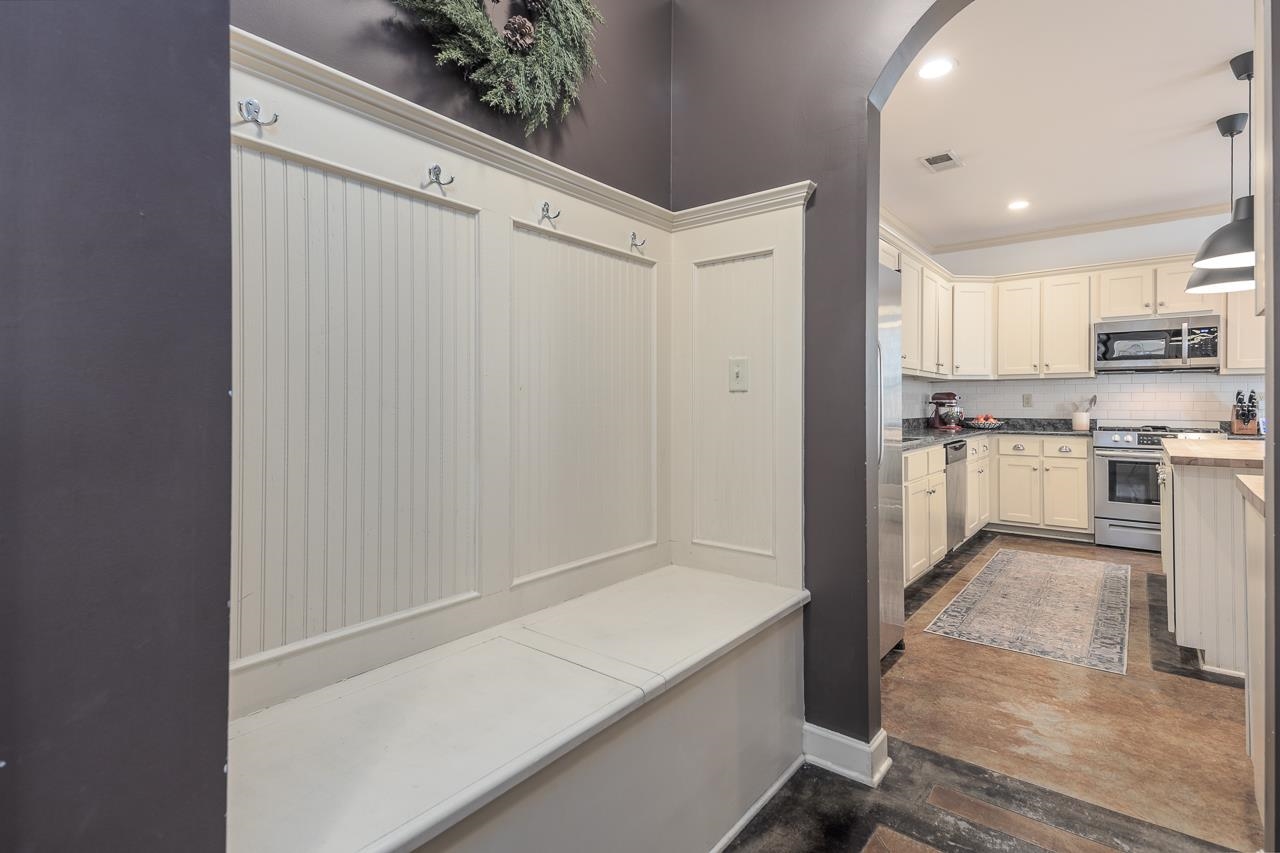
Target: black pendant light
<point>1231,246</point>
<point>1221,281</point>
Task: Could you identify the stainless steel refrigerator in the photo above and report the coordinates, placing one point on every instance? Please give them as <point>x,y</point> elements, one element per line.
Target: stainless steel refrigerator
<point>889,458</point>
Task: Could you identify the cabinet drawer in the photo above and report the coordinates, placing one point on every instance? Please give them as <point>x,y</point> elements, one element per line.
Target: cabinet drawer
<point>1018,445</point>
<point>937,457</point>
<point>1067,448</point>
<point>979,448</point>
<point>922,463</point>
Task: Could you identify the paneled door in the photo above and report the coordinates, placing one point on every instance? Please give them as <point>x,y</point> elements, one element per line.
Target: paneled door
<point>973,496</point>
<point>1021,493</point>
<point>946,325</point>
<point>1065,330</point>
<point>984,493</point>
<point>1066,493</point>
<point>973,332</point>
<point>1018,328</point>
<point>1246,335</point>
<point>915,521</point>
<point>937,518</point>
<point>1172,296</point>
<point>930,313</point>
<point>1128,292</point>
<point>912,280</point>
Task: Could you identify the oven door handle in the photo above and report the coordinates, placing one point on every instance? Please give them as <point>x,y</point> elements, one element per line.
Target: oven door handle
<point>1186,341</point>
<point>1153,458</point>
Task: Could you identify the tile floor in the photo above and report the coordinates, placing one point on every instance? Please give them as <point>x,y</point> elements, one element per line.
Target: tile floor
<point>995,750</point>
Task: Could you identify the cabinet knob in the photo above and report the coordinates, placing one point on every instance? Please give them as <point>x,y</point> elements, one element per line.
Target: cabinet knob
<point>1035,469</point>
<point>1146,305</point>
<point>904,356</point>
<point>1035,367</point>
<point>957,367</point>
<point>1161,304</point>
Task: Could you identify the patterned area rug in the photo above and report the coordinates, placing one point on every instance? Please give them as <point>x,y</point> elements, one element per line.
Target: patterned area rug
<point>1062,608</point>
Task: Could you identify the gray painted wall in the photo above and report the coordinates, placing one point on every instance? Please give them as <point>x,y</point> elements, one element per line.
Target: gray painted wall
<point>620,134</point>
<point>115,442</point>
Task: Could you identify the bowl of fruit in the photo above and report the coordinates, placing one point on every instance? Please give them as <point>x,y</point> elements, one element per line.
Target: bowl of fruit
<point>983,422</point>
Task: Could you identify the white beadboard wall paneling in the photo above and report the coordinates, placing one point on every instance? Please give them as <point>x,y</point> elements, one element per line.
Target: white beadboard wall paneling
<point>733,461</point>
<point>354,400</point>
<point>737,458</point>
<point>584,365</point>
<point>1122,398</point>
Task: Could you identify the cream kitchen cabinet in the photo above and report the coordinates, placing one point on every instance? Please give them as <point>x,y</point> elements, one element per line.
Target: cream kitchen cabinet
<point>1245,335</point>
<point>888,255</point>
<point>1172,296</point>
<point>973,330</point>
<point>1126,292</point>
<point>924,517</point>
<point>1018,328</point>
<point>977,510</point>
<point>1065,330</point>
<point>1044,482</point>
<point>912,284</point>
<point>935,324</point>
<point>1043,327</point>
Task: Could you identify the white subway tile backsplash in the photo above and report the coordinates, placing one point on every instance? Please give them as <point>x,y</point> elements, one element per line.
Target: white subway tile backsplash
<point>1135,397</point>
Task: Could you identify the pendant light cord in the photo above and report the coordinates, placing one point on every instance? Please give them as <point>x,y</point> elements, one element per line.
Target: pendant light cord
<point>1231,191</point>
<point>1249,125</point>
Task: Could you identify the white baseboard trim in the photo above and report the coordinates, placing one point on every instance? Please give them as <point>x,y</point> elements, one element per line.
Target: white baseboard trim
<point>862,762</point>
<point>758,805</point>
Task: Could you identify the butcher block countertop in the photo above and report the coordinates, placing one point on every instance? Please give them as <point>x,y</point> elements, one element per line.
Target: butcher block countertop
<point>1215,452</point>
<point>1253,488</point>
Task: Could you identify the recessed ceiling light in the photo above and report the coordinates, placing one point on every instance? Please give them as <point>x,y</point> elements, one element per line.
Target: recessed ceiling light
<point>1019,204</point>
<point>936,68</point>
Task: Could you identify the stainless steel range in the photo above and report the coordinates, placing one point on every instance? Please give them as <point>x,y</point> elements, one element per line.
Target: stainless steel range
<point>1126,483</point>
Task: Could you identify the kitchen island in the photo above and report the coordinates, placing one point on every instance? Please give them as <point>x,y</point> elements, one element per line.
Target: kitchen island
<point>1202,545</point>
<point>1252,496</point>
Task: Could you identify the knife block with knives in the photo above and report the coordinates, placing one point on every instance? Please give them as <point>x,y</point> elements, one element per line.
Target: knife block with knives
<point>1244,414</point>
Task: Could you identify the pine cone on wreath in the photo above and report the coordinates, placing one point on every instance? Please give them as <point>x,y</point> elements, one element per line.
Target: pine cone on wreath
<point>518,33</point>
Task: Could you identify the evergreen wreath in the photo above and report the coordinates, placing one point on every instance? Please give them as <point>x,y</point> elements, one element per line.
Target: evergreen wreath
<point>531,68</point>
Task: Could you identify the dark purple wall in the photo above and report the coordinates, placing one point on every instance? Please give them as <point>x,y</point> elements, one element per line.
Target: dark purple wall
<point>619,134</point>
<point>115,430</point>
<point>764,96</point>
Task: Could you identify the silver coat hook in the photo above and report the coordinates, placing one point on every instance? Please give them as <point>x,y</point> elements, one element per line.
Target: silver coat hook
<point>547,214</point>
<point>433,177</point>
<point>251,111</point>
<point>636,242</point>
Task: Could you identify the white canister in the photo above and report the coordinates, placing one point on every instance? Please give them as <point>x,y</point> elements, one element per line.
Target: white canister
<point>1080,421</point>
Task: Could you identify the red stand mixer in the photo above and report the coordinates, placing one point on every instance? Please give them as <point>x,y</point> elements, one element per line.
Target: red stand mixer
<point>947,413</point>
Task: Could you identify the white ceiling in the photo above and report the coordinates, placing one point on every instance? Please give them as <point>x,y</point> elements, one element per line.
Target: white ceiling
<point>1094,110</point>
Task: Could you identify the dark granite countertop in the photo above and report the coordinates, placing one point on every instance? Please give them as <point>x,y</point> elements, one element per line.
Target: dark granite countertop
<point>914,439</point>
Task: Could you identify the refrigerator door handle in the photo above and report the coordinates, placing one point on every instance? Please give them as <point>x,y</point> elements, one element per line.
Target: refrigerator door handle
<point>880,402</point>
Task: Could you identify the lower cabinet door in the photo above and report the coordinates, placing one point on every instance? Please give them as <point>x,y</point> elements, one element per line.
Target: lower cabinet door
<point>915,529</point>
<point>937,518</point>
<point>1066,493</point>
<point>1020,490</point>
<point>984,493</point>
<point>972,497</point>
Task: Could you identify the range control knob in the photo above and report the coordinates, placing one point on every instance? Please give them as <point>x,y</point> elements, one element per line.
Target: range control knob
<point>1128,439</point>
<point>1115,438</point>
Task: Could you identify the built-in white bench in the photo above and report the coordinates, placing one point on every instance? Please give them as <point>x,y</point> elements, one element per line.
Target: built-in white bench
<point>390,759</point>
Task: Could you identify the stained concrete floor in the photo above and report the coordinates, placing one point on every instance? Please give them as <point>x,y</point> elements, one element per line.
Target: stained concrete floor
<point>1161,747</point>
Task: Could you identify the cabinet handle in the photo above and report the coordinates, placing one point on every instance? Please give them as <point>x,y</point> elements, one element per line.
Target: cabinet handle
<point>1035,367</point>
<point>904,356</point>
<point>1146,305</point>
<point>1019,447</point>
<point>981,471</point>
<point>1064,449</point>
<point>957,367</point>
<point>1161,304</point>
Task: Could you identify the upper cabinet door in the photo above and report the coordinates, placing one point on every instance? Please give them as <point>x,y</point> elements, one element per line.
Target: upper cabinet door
<point>1126,292</point>
<point>912,281</point>
<point>1172,296</point>
<point>973,330</point>
<point>930,362</point>
<point>1246,335</point>
<point>888,256</point>
<point>1065,331</point>
<point>1018,328</point>
<point>946,326</point>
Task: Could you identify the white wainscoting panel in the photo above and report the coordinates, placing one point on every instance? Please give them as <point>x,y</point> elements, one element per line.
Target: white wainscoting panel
<point>584,367</point>
<point>354,491</point>
<point>733,431</point>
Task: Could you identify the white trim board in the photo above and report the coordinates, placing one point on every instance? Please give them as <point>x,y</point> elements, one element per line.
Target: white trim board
<point>862,762</point>
<point>764,799</point>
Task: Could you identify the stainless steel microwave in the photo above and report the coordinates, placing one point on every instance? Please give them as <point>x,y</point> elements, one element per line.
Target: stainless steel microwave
<point>1161,343</point>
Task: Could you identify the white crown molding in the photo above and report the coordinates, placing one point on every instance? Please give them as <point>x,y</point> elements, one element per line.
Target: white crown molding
<point>902,231</point>
<point>256,55</point>
<point>862,762</point>
<point>1086,228</point>
<point>764,201</point>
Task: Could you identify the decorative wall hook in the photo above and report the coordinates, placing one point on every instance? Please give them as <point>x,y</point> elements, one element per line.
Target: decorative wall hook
<point>251,111</point>
<point>547,214</point>
<point>433,177</point>
<point>636,242</point>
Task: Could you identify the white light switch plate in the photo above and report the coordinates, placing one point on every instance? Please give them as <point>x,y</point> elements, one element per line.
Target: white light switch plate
<point>739,374</point>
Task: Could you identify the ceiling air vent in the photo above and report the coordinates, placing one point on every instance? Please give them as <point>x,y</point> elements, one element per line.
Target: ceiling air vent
<point>941,162</point>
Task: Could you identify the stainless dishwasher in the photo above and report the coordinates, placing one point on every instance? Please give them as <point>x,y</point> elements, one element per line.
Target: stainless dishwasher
<point>957,491</point>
